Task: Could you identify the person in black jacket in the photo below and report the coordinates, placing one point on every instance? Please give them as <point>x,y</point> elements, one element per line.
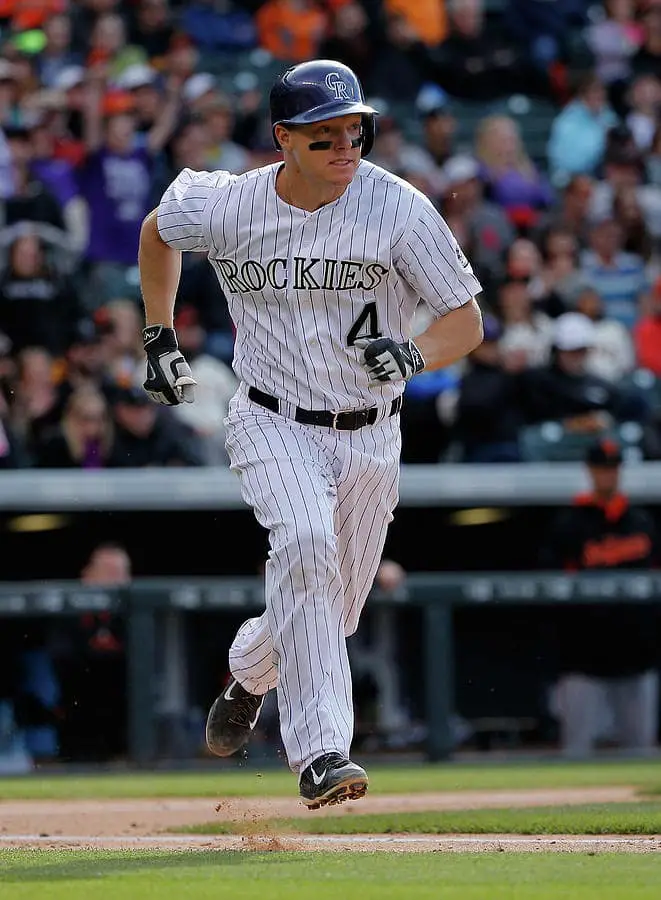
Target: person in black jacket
<point>608,655</point>
<point>488,414</point>
<point>564,391</point>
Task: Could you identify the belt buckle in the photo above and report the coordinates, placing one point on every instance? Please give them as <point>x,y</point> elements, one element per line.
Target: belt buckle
<point>336,414</point>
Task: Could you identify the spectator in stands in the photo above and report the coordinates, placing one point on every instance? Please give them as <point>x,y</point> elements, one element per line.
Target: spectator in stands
<point>563,391</point>
<point>115,180</point>
<point>37,404</point>
<point>648,57</point>
<point>438,124</point>
<point>350,39</point>
<point>426,18</point>
<point>543,26</point>
<point>644,100</point>
<point>108,46</point>
<point>83,439</point>
<point>396,154</point>
<point>578,135</point>
<point>151,28</point>
<point>571,213</point>
<point>628,213</point>
<point>558,274</point>
<point>219,26</point>
<point>12,452</point>
<point>613,41</point>
<point>57,54</point>
<point>618,277</point>
<point>647,333</point>
<point>38,307</point>
<point>148,436</point>
<point>217,385</point>
<point>606,654</point>
<point>624,168</point>
<point>223,152</point>
<point>488,415</point>
<point>143,84</point>
<point>291,30</point>
<point>611,356</point>
<point>119,327</point>
<point>30,200</point>
<point>481,227</point>
<point>512,180</point>
<point>475,64</point>
<point>527,334</point>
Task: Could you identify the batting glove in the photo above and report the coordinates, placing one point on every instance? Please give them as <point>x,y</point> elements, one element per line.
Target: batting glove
<point>169,378</point>
<point>386,360</point>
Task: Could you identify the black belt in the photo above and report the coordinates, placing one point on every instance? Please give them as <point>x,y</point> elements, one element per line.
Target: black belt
<point>345,420</point>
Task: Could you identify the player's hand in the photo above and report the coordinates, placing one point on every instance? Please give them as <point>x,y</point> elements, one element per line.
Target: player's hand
<point>169,378</point>
<point>386,360</point>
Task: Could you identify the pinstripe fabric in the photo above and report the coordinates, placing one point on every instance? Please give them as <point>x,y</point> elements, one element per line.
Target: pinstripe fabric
<point>327,498</point>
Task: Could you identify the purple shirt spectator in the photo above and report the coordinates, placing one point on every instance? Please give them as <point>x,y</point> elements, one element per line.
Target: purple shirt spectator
<point>116,188</point>
<point>512,189</point>
<point>58,176</point>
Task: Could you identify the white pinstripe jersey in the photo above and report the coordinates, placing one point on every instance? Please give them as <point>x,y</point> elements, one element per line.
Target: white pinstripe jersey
<point>301,286</point>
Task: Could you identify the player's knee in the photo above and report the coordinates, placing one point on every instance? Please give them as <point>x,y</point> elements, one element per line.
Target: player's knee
<point>311,554</point>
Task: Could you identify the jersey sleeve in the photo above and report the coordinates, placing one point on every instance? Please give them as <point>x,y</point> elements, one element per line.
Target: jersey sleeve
<point>434,265</point>
<point>184,211</point>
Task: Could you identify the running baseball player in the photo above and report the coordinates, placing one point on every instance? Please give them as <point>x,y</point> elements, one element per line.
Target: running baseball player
<point>323,259</point>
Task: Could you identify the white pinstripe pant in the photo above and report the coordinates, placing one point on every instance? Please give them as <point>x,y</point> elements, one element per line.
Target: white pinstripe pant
<point>327,498</point>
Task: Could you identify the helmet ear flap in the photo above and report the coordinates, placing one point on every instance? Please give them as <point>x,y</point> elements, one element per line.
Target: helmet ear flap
<point>369,133</point>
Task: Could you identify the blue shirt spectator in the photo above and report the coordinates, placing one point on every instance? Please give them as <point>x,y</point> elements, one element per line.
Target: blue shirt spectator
<point>578,134</point>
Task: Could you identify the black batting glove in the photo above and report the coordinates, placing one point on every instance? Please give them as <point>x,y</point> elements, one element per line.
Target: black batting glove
<point>169,378</point>
<point>386,360</point>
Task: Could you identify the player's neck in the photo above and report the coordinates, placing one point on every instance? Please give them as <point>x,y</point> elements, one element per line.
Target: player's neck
<point>305,193</point>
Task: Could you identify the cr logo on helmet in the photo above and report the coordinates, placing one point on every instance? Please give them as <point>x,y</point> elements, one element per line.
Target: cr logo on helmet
<point>339,87</point>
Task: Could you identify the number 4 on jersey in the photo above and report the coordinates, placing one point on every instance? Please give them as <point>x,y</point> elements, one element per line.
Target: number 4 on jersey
<point>369,320</point>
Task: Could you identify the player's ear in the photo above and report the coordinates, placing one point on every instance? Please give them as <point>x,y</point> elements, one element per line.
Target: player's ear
<point>282,136</point>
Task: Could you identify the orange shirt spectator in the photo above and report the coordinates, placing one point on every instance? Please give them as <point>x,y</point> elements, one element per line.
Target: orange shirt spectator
<point>428,18</point>
<point>26,14</point>
<point>291,29</point>
<point>647,334</point>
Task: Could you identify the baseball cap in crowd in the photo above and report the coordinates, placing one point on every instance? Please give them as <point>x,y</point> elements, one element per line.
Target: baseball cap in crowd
<point>197,86</point>
<point>69,78</point>
<point>604,452</point>
<point>574,331</point>
<point>431,101</point>
<point>136,76</point>
<point>459,169</point>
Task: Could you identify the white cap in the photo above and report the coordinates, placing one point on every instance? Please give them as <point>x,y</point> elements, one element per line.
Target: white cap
<point>69,78</point>
<point>136,76</point>
<point>574,331</point>
<point>6,70</point>
<point>197,86</point>
<point>459,169</point>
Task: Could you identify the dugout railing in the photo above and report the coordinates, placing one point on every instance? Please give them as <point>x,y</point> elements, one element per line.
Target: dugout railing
<point>144,601</point>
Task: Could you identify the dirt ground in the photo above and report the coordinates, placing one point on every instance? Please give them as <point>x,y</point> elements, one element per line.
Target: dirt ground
<point>131,824</point>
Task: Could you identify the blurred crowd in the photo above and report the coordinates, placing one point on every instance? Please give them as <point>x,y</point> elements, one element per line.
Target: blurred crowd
<point>554,192</point>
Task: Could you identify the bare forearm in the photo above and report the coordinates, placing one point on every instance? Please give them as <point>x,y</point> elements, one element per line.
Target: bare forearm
<point>160,269</point>
<point>451,337</point>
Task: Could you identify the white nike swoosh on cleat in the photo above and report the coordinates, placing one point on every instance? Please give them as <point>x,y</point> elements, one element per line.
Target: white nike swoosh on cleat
<point>228,693</point>
<point>318,779</point>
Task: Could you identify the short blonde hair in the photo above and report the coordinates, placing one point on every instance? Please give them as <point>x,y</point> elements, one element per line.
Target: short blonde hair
<point>487,149</point>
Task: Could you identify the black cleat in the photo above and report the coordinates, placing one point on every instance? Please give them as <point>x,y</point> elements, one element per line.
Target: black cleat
<point>331,779</point>
<point>232,718</point>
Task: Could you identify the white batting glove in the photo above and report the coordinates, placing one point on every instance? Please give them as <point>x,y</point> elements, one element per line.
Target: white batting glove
<point>169,378</point>
<point>386,360</point>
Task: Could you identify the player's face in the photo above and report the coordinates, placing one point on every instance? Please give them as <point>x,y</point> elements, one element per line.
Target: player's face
<point>336,165</point>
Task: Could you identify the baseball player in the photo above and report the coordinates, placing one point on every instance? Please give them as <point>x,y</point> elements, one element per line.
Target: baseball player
<point>323,259</point>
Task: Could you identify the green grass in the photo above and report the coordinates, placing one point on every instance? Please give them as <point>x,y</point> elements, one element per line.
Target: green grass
<point>606,818</point>
<point>249,782</point>
<point>143,875</point>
